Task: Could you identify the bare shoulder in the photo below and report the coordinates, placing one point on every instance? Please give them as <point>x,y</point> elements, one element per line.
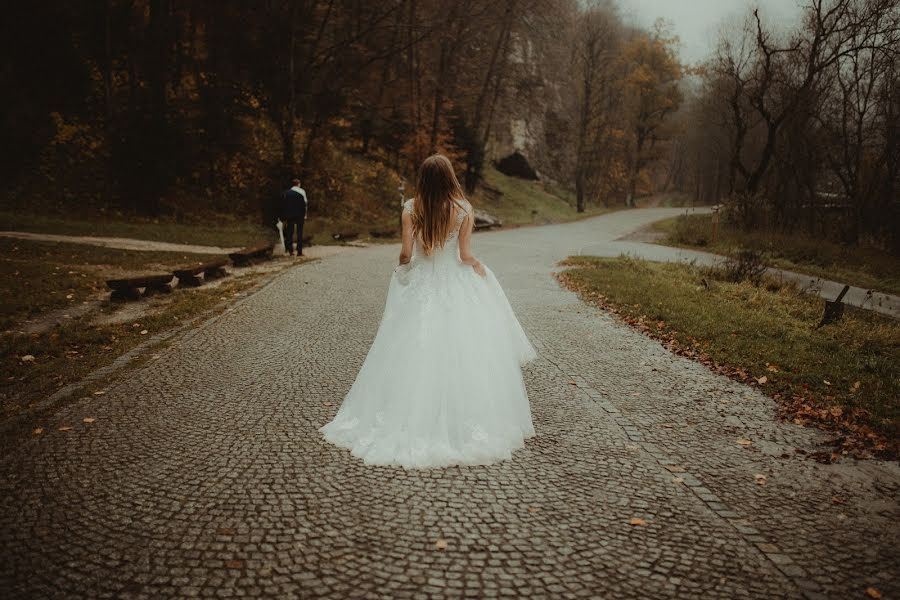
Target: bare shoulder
<point>408,206</point>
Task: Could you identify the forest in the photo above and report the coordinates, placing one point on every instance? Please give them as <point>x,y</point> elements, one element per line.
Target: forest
<point>184,109</point>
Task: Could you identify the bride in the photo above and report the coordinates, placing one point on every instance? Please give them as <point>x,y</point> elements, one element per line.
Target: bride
<point>442,383</point>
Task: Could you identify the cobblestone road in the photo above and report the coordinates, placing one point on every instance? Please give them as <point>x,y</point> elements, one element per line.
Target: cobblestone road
<point>203,474</point>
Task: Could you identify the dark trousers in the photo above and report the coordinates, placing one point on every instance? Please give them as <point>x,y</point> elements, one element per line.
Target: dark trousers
<point>289,226</point>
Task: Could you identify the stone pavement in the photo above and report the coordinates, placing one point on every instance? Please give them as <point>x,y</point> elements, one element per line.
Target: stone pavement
<point>203,474</point>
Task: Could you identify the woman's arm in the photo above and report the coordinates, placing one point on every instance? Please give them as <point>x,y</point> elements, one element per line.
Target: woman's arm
<point>465,244</point>
<point>406,247</point>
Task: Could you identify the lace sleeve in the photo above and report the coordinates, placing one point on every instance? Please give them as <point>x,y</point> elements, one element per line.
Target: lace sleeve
<point>408,206</point>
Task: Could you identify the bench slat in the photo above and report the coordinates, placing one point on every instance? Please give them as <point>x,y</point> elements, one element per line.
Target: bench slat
<point>140,281</point>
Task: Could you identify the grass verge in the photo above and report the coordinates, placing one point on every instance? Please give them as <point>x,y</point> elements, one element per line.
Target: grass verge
<point>219,230</point>
<point>524,202</point>
<point>37,277</point>
<point>843,377</point>
<point>862,266</point>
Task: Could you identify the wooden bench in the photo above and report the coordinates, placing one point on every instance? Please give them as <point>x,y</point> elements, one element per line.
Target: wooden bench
<point>130,288</point>
<point>252,254</point>
<point>211,270</point>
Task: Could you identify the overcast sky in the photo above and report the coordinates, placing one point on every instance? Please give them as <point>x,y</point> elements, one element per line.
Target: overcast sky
<point>698,21</point>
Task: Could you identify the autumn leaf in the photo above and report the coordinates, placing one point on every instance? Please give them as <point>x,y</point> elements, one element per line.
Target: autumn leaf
<point>760,479</point>
<point>65,428</point>
<point>826,382</point>
<point>873,593</point>
<point>100,393</point>
<point>854,387</point>
<point>678,480</point>
<point>836,411</point>
<point>38,431</point>
<point>88,420</point>
<point>762,380</point>
<point>440,545</point>
<point>637,521</point>
<point>533,509</point>
<point>772,368</point>
<point>144,332</point>
<point>234,564</point>
<point>27,358</point>
<point>744,442</point>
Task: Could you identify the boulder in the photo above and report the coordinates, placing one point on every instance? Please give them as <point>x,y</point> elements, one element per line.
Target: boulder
<point>485,220</point>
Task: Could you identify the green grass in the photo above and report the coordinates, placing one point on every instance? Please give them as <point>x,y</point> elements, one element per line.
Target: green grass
<point>218,230</point>
<point>526,202</point>
<point>862,266</point>
<point>762,331</point>
<point>37,277</point>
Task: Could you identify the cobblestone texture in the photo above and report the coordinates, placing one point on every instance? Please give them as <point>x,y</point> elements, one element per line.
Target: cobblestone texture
<point>203,475</point>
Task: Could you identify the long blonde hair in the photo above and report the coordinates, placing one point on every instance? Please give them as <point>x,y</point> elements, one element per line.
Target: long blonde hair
<point>437,188</point>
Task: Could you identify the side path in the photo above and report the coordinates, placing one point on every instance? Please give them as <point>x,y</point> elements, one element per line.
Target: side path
<point>880,302</point>
<point>203,473</point>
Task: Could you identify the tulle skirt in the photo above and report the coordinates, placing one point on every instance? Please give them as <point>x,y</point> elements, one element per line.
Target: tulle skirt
<point>442,383</point>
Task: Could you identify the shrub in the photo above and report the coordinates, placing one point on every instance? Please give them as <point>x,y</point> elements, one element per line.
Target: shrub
<point>691,231</point>
<point>746,264</point>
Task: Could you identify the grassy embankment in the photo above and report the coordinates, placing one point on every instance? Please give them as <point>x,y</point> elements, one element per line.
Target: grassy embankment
<point>844,377</point>
<point>862,266</point>
<point>524,202</point>
<point>58,326</point>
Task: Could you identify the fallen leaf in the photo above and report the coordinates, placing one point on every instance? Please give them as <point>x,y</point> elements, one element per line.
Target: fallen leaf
<point>88,420</point>
<point>65,428</point>
<point>27,358</point>
<point>234,564</point>
<point>533,509</point>
<point>854,387</point>
<point>744,442</point>
<point>873,593</point>
<point>760,479</point>
<point>772,368</point>
<point>38,431</point>
<point>836,411</point>
<point>144,332</point>
<point>637,521</point>
<point>838,500</point>
<point>762,380</point>
<point>69,296</point>
<point>826,382</point>
<point>100,393</point>
<point>678,480</point>
<point>440,545</point>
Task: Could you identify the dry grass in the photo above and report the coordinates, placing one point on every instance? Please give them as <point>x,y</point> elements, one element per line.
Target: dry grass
<point>862,266</point>
<point>767,331</point>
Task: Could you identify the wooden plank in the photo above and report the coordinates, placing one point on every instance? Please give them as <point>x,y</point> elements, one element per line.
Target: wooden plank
<point>154,280</point>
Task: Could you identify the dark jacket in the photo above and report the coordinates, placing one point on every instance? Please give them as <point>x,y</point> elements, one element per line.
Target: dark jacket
<point>292,205</point>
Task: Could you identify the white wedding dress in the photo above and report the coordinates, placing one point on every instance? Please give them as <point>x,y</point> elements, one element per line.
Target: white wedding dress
<point>442,383</point>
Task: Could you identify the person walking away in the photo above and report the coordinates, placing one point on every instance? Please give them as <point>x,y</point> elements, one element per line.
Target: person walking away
<point>293,212</point>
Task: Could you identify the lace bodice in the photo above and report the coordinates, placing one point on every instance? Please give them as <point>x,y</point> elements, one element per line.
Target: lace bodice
<point>464,208</point>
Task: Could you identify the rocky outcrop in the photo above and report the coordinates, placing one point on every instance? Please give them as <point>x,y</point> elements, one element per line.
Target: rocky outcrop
<point>532,125</point>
